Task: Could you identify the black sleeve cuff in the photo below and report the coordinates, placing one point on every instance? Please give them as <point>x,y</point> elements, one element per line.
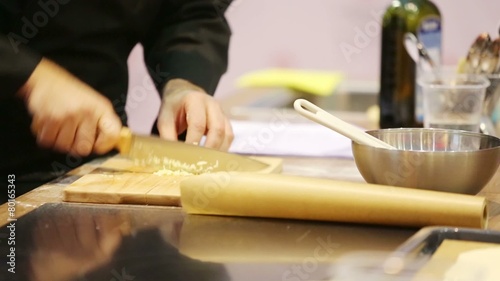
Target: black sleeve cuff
<point>191,43</point>
<point>16,65</point>
<point>190,66</point>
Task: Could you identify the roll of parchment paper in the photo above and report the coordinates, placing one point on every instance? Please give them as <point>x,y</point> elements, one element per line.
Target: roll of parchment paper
<point>294,197</point>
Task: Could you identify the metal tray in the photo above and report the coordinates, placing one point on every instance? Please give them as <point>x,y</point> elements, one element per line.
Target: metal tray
<point>426,241</point>
<point>419,248</point>
<point>409,258</point>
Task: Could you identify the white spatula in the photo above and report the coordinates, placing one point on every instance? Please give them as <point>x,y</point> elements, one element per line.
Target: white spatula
<point>318,115</point>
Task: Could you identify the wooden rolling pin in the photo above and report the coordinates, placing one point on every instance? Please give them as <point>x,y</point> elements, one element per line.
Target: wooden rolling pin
<point>293,197</point>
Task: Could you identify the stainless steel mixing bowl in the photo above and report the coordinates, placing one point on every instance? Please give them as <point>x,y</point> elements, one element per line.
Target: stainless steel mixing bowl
<point>433,159</point>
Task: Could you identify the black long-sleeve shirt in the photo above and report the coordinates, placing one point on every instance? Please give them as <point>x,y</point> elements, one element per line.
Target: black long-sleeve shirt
<point>92,39</point>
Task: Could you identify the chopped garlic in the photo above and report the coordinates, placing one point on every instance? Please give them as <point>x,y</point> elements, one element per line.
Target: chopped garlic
<point>165,172</point>
<point>176,167</point>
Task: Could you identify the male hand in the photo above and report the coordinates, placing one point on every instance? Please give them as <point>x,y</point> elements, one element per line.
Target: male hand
<point>68,115</point>
<point>186,106</point>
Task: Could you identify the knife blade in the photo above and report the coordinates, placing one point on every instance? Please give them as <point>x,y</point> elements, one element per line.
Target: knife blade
<point>175,155</point>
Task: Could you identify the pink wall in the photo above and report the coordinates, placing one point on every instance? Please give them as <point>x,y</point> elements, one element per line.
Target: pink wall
<point>308,34</point>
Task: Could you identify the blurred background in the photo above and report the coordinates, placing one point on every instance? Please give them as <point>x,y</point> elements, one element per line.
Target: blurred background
<point>329,35</point>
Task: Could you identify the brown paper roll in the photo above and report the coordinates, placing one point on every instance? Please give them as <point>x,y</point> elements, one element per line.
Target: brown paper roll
<point>293,197</point>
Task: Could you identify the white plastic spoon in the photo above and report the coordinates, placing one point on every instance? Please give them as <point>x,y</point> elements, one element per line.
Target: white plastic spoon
<point>318,115</point>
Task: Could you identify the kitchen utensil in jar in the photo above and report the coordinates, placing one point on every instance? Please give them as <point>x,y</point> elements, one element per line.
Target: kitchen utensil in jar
<point>475,52</point>
<point>489,57</point>
<point>418,53</point>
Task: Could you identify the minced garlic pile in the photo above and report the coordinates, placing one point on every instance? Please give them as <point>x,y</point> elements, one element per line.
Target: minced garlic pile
<point>177,168</point>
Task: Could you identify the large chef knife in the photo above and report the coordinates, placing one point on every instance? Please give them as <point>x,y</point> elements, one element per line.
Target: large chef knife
<point>174,155</point>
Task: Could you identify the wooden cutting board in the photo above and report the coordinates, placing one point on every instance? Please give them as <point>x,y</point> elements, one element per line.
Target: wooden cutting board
<point>119,181</point>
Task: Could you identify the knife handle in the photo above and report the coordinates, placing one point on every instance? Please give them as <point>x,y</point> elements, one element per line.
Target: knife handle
<point>125,140</point>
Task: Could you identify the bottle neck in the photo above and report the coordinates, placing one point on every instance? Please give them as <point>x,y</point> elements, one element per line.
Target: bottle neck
<point>412,1</point>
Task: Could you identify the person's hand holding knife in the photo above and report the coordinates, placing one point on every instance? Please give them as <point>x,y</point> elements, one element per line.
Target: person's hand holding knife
<point>69,116</point>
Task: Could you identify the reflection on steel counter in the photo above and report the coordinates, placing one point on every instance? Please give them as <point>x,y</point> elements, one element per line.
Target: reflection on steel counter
<point>67,244</point>
<point>87,242</point>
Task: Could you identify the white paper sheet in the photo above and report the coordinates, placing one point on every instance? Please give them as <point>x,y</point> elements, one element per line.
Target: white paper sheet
<point>286,138</point>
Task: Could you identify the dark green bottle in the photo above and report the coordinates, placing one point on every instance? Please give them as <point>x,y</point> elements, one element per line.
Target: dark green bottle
<point>399,100</point>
